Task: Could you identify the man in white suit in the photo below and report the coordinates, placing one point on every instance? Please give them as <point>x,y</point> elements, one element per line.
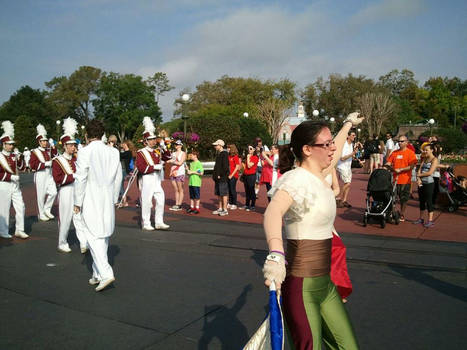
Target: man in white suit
<point>98,179</point>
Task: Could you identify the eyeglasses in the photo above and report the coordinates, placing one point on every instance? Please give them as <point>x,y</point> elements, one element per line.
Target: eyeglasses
<point>326,145</point>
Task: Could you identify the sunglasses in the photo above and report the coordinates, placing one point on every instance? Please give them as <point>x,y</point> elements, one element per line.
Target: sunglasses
<point>400,141</point>
<point>326,145</point>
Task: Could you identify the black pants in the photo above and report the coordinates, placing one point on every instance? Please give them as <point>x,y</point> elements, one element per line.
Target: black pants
<point>233,190</point>
<point>268,187</point>
<point>250,190</point>
<point>425,195</point>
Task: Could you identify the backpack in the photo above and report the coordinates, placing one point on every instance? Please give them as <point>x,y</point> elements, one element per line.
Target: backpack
<point>373,146</point>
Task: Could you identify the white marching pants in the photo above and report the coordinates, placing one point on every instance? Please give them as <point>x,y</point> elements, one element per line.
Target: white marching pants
<point>101,268</point>
<point>65,209</point>
<point>45,187</point>
<point>151,188</point>
<point>11,193</point>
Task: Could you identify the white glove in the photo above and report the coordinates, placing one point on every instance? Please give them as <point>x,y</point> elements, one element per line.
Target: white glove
<point>158,166</point>
<point>162,145</point>
<point>14,178</point>
<point>48,164</point>
<point>274,268</point>
<point>354,118</point>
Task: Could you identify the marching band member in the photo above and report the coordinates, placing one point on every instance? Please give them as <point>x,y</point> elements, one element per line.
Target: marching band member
<point>63,172</point>
<point>98,179</point>
<point>10,192</point>
<point>149,165</point>
<point>41,162</point>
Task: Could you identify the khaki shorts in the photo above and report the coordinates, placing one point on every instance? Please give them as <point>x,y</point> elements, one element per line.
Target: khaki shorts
<point>375,157</point>
<point>345,174</point>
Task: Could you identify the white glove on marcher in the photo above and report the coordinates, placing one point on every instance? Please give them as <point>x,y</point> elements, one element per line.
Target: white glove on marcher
<point>158,166</point>
<point>274,268</point>
<point>48,164</point>
<point>162,145</point>
<point>354,118</point>
<point>14,178</point>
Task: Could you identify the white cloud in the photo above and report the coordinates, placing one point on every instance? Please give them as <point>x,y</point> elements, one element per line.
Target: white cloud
<point>388,9</point>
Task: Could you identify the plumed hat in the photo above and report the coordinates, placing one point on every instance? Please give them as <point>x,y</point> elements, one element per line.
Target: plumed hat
<point>41,133</point>
<point>70,128</point>
<point>8,132</point>
<point>149,129</point>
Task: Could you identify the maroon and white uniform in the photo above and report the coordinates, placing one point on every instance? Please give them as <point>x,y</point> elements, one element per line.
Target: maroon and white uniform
<point>63,170</point>
<point>46,190</point>
<point>149,165</point>
<point>10,192</point>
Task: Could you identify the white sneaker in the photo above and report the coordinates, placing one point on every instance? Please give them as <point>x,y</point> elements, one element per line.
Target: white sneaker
<point>223,213</point>
<point>6,235</point>
<point>93,281</point>
<point>64,249</point>
<point>44,218</point>
<point>175,208</point>
<point>216,212</point>
<point>233,207</point>
<point>162,226</point>
<point>104,283</point>
<point>49,215</point>
<point>148,228</point>
<point>21,234</point>
<point>83,250</point>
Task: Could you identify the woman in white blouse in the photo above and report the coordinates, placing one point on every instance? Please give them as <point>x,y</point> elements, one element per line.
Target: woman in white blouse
<point>312,307</point>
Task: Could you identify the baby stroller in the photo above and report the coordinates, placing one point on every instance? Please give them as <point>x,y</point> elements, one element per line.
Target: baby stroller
<point>455,191</point>
<point>380,198</point>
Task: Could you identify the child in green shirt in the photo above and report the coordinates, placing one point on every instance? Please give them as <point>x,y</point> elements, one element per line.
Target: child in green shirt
<point>194,185</point>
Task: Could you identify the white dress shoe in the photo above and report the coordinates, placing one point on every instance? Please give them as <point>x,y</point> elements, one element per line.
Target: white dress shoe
<point>64,249</point>
<point>162,226</point>
<point>49,215</point>
<point>21,234</point>
<point>6,235</point>
<point>104,283</point>
<point>148,228</point>
<point>93,281</point>
<point>44,218</point>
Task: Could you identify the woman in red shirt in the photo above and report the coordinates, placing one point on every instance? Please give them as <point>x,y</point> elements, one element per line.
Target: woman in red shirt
<point>270,172</point>
<point>234,166</point>
<point>251,163</point>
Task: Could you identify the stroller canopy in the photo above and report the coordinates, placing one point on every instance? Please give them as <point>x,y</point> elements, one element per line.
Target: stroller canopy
<point>380,181</point>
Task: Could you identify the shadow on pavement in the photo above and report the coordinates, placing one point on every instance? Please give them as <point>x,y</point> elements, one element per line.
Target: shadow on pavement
<point>441,286</point>
<point>222,323</point>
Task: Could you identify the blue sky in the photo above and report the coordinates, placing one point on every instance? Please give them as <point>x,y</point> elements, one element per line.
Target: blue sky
<point>198,40</point>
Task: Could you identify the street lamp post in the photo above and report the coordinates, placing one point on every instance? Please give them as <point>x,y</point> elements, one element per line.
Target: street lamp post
<point>431,122</point>
<point>185,98</point>
<point>58,129</point>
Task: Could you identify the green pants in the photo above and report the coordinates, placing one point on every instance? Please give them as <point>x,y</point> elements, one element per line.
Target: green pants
<point>314,312</point>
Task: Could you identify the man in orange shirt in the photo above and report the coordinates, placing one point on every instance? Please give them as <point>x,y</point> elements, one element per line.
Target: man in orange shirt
<point>402,161</point>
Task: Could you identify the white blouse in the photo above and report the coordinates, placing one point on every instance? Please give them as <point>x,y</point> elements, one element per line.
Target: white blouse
<point>313,211</point>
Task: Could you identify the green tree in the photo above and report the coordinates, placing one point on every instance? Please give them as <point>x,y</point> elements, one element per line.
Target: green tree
<point>398,82</point>
<point>160,83</point>
<point>25,132</point>
<point>122,101</point>
<point>73,95</point>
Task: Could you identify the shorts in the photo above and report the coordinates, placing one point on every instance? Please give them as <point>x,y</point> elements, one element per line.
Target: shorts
<point>194,192</point>
<point>403,192</point>
<point>259,170</point>
<point>375,157</point>
<point>180,178</point>
<point>345,174</point>
<point>221,188</point>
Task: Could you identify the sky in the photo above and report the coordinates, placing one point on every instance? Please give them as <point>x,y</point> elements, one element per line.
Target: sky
<point>202,40</point>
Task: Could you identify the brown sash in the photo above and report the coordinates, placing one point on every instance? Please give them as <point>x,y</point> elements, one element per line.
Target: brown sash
<point>308,258</point>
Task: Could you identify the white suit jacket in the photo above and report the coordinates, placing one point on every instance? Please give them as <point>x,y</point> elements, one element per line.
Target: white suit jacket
<point>97,185</point>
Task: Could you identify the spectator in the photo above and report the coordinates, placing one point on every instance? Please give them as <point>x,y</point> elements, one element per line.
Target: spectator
<point>195,171</point>
<point>390,146</point>
<point>373,149</point>
<point>112,141</point>
<point>127,159</point>
<point>259,149</point>
<point>220,175</point>
<point>234,168</point>
<point>177,174</point>
<point>402,161</point>
<point>382,152</point>
<point>270,172</point>
<point>436,174</point>
<point>426,184</point>
<point>251,163</point>
<point>344,168</point>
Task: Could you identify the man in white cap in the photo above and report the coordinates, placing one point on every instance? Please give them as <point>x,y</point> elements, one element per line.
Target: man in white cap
<point>149,164</point>
<point>63,172</point>
<point>41,163</point>
<point>220,175</point>
<point>98,179</point>
<point>10,164</point>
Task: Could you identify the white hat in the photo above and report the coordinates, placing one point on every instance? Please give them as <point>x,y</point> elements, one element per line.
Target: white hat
<point>8,132</point>
<point>70,128</point>
<point>149,129</point>
<point>219,142</point>
<point>41,133</point>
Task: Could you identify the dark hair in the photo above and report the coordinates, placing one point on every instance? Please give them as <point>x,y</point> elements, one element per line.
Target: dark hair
<point>95,129</point>
<point>351,131</point>
<point>435,148</point>
<point>195,152</point>
<point>304,134</point>
<point>233,149</point>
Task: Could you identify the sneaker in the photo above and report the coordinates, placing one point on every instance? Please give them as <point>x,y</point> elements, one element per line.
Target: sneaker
<point>64,249</point>
<point>252,208</point>
<point>429,224</point>
<point>175,208</point>
<point>21,234</point>
<point>223,213</point>
<point>104,283</point>
<point>190,210</point>
<point>44,218</point>
<point>402,218</point>
<point>195,211</point>
<point>162,226</point>
<point>419,221</point>
<point>148,228</point>
<point>233,207</point>
<point>247,208</point>
<point>217,211</point>
<point>229,206</point>
<point>49,215</point>
<point>93,281</point>
<point>243,207</point>
<point>6,235</point>
<point>339,204</point>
